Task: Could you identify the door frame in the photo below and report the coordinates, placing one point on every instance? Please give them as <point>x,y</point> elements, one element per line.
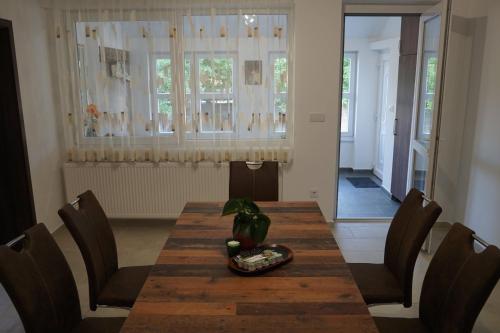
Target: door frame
<point>442,9</point>
<point>366,10</point>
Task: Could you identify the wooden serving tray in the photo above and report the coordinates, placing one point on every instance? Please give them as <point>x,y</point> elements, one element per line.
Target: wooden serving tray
<point>287,257</point>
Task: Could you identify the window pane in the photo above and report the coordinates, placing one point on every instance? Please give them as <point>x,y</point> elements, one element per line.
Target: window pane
<point>344,125</point>
<point>280,104</point>
<point>280,75</point>
<point>431,75</point>
<point>216,75</point>
<point>427,122</point>
<point>164,75</point>
<point>165,119</point>
<point>187,76</point>
<point>346,79</point>
<point>216,115</point>
<point>419,171</point>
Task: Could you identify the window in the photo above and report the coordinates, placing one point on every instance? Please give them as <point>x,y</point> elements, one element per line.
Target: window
<point>279,93</point>
<point>348,94</point>
<point>170,86</point>
<point>163,93</point>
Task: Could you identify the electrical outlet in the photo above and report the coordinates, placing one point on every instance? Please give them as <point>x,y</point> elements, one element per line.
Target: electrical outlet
<point>314,193</point>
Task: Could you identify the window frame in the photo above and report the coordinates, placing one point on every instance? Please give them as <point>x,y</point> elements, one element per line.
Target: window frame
<point>351,96</point>
<point>273,55</point>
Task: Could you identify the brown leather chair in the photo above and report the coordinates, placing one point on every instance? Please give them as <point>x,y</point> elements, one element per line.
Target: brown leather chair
<point>40,283</point>
<point>391,282</point>
<point>108,284</point>
<point>258,185</point>
<point>456,286</point>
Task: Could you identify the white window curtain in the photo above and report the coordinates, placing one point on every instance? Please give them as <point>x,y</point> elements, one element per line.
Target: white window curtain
<point>181,81</point>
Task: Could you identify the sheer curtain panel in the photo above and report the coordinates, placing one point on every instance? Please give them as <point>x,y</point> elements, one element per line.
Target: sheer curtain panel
<point>180,81</point>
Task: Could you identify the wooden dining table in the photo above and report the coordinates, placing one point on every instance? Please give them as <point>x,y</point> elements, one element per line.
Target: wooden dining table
<point>191,290</point>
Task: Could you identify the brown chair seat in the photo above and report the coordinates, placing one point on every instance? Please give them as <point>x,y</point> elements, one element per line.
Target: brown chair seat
<point>376,283</point>
<point>405,238</point>
<point>124,286</point>
<point>400,325</point>
<point>100,325</point>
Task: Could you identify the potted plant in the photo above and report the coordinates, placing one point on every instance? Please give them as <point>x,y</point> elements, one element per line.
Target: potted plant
<point>250,225</point>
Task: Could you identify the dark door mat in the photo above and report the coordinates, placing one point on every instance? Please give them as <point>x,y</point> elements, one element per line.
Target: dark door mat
<point>362,182</point>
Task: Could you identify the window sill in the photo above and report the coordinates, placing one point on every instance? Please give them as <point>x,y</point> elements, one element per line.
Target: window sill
<point>346,139</point>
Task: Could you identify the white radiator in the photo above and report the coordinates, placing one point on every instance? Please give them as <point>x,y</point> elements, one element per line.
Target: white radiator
<point>147,190</point>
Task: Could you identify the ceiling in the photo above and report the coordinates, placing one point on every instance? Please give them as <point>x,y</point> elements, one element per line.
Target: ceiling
<point>372,27</point>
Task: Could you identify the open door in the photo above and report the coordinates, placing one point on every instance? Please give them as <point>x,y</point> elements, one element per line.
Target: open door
<point>17,209</point>
<point>427,99</point>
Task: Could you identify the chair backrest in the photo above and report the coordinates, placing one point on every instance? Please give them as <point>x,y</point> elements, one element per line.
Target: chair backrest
<point>92,232</point>
<point>40,283</point>
<point>259,185</point>
<point>405,238</point>
<point>458,282</point>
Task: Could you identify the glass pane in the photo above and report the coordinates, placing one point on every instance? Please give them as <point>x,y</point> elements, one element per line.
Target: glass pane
<point>164,76</point>
<point>188,115</point>
<point>428,79</point>
<point>187,76</point>
<point>280,102</point>
<point>165,120</point>
<point>216,115</point>
<point>346,80</point>
<point>216,75</point>
<point>430,83</point>
<point>344,125</point>
<point>280,75</point>
<point>419,171</point>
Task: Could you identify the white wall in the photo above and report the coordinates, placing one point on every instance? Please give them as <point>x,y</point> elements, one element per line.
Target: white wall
<point>477,180</point>
<point>317,69</point>
<point>40,113</point>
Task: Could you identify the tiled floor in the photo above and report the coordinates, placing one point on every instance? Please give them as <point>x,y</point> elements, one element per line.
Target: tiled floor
<point>140,243</point>
<point>363,202</point>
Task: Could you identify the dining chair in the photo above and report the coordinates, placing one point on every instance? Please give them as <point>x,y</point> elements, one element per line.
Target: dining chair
<point>457,284</point>
<point>38,279</point>
<point>257,181</point>
<point>391,281</point>
<point>90,228</point>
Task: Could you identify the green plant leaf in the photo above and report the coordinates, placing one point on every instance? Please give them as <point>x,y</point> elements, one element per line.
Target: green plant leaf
<point>232,206</point>
<point>250,207</point>
<point>260,227</point>
<point>240,205</point>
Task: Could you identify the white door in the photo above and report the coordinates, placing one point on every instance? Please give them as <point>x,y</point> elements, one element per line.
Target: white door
<point>426,105</point>
<point>382,116</point>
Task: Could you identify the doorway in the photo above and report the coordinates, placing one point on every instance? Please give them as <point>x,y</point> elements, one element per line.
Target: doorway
<point>17,210</point>
<point>369,104</point>
<point>389,110</point>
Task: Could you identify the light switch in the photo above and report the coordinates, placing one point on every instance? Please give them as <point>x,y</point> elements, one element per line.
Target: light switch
<point>317,117</point>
